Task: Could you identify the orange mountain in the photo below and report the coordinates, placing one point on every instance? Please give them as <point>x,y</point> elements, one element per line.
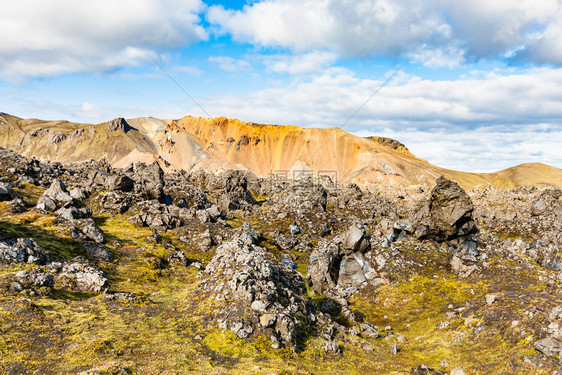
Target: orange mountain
<point>193,143</point>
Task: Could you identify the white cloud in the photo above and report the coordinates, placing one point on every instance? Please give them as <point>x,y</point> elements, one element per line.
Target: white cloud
<point>92,112</point>
<point>40,38</point>
<point>230,64</point>
<point>432,30</point>
<point>312,62</point>
<point>191,70</point>
<point>485,149</point>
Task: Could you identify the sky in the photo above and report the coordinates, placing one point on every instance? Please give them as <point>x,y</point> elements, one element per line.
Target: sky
<point>467,85</point>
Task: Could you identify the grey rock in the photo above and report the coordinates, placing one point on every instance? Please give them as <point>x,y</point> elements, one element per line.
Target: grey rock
<point>242,329</point>
<point>294,229</point>
<point>91,230</point>
<point>35,278</point>
<point>98,251</point>
<point>206,241</point>
<point>325,269</point>
<point>355,271</point>
<point>331,347</point>
<point>176,257</point>
<point>79,274</point>
<point>77,193</point>
<point>55,196</point>
<point>119,182</point>
<point>447,214</point>
<point>255,279</point>
<point>490,299</point>
<point>548,346</point>
<point>149,181</point>
<point>369,330</point>
<point>22,250</point>
<point>6,192</point>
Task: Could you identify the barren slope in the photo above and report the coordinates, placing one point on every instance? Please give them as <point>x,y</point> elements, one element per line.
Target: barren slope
<point>193,143</point>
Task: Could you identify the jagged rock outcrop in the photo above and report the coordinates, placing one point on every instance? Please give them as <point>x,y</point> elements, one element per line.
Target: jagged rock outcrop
<point>22,250</point>
<point>340,261</point>
<point>118,124</point>
<point>447,215</point>
<point>149,181</point>
<point>80,274</point>
<point>54,197</point>
<point>245,273</point>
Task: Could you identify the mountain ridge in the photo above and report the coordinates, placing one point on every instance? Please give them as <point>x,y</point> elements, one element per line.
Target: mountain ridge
<point>218,144</point>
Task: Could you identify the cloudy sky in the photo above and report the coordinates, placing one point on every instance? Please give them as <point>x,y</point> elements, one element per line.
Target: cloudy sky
<point>471,85</point>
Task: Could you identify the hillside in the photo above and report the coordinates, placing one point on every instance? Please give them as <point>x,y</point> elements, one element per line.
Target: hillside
<point>195,143</point>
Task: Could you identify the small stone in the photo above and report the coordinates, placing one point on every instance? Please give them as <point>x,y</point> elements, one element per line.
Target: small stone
<point>267,320</point>
<point>458,371</point>
<point>259,305</point>
<point>331,347</point>
<point>294,229</point>
<point>394,349</point>
<point>367,348</point>
<point>490,298</point>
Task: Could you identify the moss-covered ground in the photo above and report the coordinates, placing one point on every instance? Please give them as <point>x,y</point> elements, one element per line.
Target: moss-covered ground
<point>434,317</point>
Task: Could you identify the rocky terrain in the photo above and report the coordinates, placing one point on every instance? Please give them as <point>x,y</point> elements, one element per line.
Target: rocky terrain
<point>220,144</point>
<point>107,270</point>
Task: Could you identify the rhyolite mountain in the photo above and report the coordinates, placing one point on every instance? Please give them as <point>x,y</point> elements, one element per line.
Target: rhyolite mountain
<point>195,143</point>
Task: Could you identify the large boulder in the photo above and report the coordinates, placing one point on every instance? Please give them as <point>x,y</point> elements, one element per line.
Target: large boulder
<point>87,230</point>
<point>447,214</point>
<point>340,261</point>
<point>232,187</point>
<point>120,182</point>
<point>149,181</point>
<point>54,197</point>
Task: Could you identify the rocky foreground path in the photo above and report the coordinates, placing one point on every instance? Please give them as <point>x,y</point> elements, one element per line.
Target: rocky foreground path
<point>116,271</point>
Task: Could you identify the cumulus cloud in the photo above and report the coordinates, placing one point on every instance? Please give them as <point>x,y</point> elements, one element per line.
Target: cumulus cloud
<point>300,64</point>
<point>42,38</point>
<point>483,149</point>
<point>230,64</point>
<point>430,29</point>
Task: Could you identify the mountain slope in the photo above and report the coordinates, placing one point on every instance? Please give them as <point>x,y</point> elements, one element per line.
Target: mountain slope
<point>193,143</point>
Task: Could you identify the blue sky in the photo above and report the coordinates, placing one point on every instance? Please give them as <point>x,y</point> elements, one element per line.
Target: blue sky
<point>481,89</point>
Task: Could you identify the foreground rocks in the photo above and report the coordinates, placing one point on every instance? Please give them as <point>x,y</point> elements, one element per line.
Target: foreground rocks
<point>22,250</point>
<point>390,271</point>
<point>243,272</point>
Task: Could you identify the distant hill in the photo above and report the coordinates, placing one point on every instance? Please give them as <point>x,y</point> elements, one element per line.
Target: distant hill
<point>216,144</point>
